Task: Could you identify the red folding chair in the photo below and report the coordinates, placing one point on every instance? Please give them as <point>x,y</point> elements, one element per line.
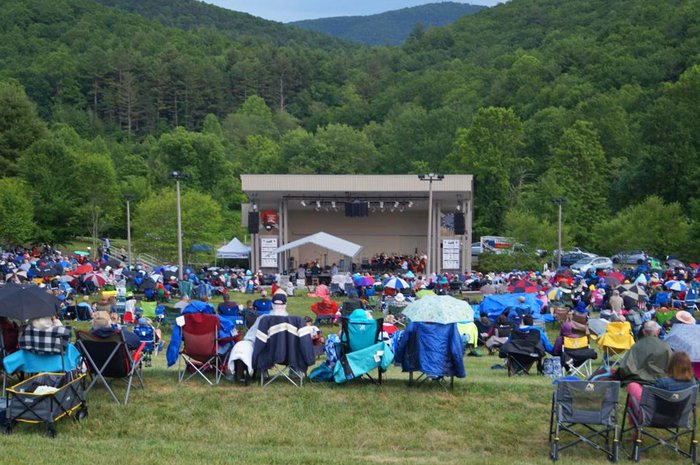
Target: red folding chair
<point>200,352</point>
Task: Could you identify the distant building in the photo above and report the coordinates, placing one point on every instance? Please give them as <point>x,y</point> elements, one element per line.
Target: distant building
<point>383,213</point>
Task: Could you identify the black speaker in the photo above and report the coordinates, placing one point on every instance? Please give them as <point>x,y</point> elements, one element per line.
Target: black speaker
<point>253,222</point>
<point>348,209</point>
<point>459,224</point>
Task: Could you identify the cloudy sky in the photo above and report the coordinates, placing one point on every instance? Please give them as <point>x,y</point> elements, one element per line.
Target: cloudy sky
<point>294,10</point>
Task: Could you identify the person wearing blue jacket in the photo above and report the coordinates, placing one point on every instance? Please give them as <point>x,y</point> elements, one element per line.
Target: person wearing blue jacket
<point>528,326</point>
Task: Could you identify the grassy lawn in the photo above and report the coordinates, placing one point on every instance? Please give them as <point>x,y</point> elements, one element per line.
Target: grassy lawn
<point>488,419</point>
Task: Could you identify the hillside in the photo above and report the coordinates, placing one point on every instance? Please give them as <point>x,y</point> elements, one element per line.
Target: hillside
<point>192,14</point>
<point>590,100</point>
<point>391,27</point>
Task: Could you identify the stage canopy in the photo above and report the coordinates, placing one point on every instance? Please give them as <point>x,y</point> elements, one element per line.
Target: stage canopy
<point>327,241</point>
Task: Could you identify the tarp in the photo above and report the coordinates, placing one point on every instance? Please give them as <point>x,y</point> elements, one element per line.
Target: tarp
<point>234,249</point>
<point>325,240</point>
<point>494,305</point>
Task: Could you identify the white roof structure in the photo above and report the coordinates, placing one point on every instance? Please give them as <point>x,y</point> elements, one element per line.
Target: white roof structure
<point>234,249</point>
<point>327,241</point>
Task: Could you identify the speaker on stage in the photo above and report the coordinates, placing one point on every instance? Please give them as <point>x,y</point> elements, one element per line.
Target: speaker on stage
<point>253,222</point>
<point>459,224</point>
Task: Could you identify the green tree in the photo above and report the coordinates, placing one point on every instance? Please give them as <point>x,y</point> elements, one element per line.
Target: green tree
<point>155,223</point>
<point>16,211</point>
<point>490,149</point>
<point>20,126</point>
<point>656,227</point>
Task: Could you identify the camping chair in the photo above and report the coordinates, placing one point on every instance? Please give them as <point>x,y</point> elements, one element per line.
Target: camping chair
<point>661,299</point>
<point>200,352</point>
<point>283,350</point>
<point>325,312</point>
<point>670,415</point>
<point>616,340</point>
<point>359,332</point>
<point>577,357</point>
<point>691,299</point>
<point>522,351</point>
<point>110,357</point>
<point>584,412</point>
<point>562,314</point>
<point>147,335</point>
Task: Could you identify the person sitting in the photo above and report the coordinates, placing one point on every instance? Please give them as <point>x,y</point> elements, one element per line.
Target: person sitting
<point>498,333</point>
<point>227,307</point>
<point>182,303</point>
<point>316,337</point>
<point>648,358</point>
<point>678,376</point>
<point>528,325</point>
<point>102,327</point>
<point>325,310</point>
<point>389,327</point>
<point>263,305</point>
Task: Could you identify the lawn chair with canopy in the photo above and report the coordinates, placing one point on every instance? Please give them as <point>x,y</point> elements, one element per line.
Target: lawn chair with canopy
<point>585,412</point>
<point>663,417</point>
<point>359,332</point>
<point>110,357</point>
<point>616,340</point>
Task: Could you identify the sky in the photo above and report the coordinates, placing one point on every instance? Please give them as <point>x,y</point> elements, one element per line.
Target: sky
<point>295,10</point>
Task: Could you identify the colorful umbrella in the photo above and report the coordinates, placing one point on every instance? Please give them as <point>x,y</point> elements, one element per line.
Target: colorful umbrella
<point>678,286</point>
<point>441,309</point>
<point>396,283</point>
<point>523,287</point>
<point>611,281</point>
<point>95,278</point>
<point>82,269</point>
<point>554,293</point>
<point>363,281</point>
<point>617,275</point>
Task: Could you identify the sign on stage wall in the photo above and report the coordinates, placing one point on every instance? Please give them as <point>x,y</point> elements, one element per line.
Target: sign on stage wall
<point>268,259</point>
<point>269,219</point>
<point>450,254</point>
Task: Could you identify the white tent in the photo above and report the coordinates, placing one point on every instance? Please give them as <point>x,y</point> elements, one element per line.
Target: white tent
<point>326,241</point>
<point>234,249</point>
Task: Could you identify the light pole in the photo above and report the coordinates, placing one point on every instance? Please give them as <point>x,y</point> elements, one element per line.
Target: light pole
<point>430,178</point>
<point>559,201</point>
<point>128,198</point>
<point>177,176</point>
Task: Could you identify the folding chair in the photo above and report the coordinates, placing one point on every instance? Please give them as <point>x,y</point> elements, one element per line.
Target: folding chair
<point>147,335</point>
<point>616,340</point>
<point>584,412</point>
<point>284,347</point>
<point>110,357</point>
<point>359,332</point>
<point>663,317</point>
<point>200,351</point>
<point>522,351</point>
<point>577,357</point>
<point>669,414</point>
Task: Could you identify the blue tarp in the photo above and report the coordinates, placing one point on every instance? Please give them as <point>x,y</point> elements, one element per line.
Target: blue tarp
<point>494,305</point>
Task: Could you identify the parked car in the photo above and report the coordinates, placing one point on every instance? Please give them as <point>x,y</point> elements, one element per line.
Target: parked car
<point>593,264</point>
<point>569,259</point>
<point>633,257</point>
<point>476,249</point>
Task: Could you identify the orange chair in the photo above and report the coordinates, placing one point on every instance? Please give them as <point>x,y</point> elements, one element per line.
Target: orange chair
<point>325,311</point>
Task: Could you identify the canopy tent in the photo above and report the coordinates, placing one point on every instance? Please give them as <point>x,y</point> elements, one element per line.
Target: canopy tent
<point>234,249</point>
<point>325,240</point>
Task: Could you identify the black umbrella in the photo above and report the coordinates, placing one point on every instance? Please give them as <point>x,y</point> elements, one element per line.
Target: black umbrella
<point>44,272</point>
<point>24,302</point>
<point>112,262</point>
<point>147,284</point>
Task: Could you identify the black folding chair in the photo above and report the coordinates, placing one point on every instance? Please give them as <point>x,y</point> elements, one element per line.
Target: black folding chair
<point>522,351</point>
<point>663,417</point>
<point>110,357</point>
<point>584,412</point>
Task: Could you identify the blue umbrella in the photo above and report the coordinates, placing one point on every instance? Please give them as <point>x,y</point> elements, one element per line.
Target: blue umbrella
<point>409,274</point>
<point>443,309</point>
<point>685,338</point>
<point>396,283</point>
<point>678,286</point>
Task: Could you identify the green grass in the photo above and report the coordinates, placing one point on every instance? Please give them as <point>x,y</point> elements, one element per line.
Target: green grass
<point>488,419</point>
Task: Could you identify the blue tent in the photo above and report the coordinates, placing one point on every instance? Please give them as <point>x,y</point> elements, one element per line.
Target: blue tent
<point>494,305</point>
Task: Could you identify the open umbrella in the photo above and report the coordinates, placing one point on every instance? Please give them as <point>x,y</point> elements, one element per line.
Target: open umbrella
<point>396,283</point>
<point>364,281</point>
<point>617,275</point>
<point>81,253</point>
<point>631,290</point>
<point>25,302</point>
<point>554,293</point>
<point>678,286</point>
<point>97,279</point>
<point>441,309</point>
<point>488,289</point>
<point>611,281</point>
<point>523,287</point>
<point>82,269</point>
<point>409,275</point>
<point>685,338</point>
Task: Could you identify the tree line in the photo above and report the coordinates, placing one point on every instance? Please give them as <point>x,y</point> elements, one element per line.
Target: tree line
<point>590,101</point>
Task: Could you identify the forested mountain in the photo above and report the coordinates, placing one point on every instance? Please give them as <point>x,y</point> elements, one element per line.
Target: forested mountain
<point>193,14</point>
<point>594,101</point>
<point>391,27</point>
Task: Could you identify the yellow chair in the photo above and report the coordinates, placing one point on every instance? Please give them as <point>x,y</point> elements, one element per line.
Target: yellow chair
<point>577,357</point>
<point>616,340</point>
